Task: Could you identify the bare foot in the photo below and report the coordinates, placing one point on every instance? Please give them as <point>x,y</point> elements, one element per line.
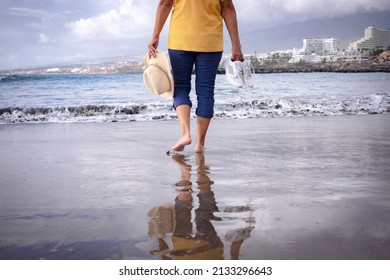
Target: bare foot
<point>200,148</point>
<point>181,143</point>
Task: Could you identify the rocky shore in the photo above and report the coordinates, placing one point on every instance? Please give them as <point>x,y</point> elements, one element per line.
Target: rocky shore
<point>340,67</point>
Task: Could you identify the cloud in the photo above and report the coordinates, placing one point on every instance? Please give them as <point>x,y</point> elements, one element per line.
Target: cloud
<point>328,7</point>
<point>43,38</point>
<point>26,12</point>
<point>58,30</point>
<point>130,19</point>
<point>33,14</point>
<point>277,12</point>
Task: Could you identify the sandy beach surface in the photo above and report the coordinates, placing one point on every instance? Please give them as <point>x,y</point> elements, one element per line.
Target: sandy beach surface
<point>284,188</point>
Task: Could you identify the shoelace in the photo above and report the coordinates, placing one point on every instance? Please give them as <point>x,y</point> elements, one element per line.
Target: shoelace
<point>239,68</point>
<point>248,69</point>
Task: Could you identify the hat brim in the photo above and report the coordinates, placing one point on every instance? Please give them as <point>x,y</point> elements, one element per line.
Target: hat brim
<point>162,61</point>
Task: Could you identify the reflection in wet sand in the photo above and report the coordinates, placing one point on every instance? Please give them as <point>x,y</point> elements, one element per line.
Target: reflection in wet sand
<point>173,223</point>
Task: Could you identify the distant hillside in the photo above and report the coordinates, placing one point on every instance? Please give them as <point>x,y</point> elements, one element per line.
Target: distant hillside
<point>345,29</point>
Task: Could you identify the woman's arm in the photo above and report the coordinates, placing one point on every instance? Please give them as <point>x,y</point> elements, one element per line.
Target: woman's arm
<point>230,17</point>
<point>163,9</point>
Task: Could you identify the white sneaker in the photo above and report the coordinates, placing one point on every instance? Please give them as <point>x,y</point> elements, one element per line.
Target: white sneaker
<point>248,72</point>
<point>234,72</point>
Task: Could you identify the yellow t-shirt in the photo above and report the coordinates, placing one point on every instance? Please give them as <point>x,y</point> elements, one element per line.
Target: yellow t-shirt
<point>196,25</point>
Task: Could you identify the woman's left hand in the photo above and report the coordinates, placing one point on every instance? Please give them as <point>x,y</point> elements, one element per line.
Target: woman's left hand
<point>237,53</point>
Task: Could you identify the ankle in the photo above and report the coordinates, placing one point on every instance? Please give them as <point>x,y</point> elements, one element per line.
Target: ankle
<point>199,148</point>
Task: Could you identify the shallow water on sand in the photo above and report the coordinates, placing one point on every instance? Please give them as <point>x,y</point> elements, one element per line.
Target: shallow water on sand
<point>297,188</point>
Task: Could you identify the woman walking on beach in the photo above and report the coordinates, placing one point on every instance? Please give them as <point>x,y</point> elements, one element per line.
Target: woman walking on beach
<point>195,39</point>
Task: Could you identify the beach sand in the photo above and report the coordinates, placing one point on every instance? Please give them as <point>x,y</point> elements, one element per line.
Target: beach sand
<point>284,188</point>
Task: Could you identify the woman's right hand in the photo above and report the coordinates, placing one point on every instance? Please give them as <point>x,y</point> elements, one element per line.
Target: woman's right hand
<point>163,9</point>
<point>152,47</point>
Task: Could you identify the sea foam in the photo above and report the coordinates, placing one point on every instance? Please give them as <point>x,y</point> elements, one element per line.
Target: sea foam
<point>123,97</point>
<point>256,108</point>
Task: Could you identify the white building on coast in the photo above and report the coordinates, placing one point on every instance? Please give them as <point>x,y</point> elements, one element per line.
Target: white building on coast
<point>373,38</point>
<point>316,50</point>
<point>320,46</point>
<point>320,50</point>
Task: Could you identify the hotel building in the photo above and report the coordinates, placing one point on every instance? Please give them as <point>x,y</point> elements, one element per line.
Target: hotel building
<point>320,46</point>
<point>373,38</point>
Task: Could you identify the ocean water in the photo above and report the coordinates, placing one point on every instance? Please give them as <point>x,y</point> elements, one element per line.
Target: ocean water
<point>123,97</point>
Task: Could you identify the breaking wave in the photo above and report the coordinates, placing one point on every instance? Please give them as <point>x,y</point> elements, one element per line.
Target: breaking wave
<point>256,108</point>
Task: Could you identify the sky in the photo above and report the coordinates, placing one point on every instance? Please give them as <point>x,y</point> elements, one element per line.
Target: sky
<point>44,32</point>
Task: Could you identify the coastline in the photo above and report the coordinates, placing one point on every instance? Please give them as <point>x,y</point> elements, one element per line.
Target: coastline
<point>330,67</point>
<point>135,66</point>
<point>288,188</point>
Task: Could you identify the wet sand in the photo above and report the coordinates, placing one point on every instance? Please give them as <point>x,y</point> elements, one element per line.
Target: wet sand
<point>286,188</point>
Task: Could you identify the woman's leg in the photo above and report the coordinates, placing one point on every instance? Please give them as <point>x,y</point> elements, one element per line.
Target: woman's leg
<point>206,67</point>
<point>202,125</point>
<point>183,115</point>
<point>182,64</point>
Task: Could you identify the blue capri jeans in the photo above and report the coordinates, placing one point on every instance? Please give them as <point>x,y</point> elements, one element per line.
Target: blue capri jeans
<point>206,66</point>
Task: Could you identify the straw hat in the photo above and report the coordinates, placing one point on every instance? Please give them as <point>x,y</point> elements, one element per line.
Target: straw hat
<point>158,76</point>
